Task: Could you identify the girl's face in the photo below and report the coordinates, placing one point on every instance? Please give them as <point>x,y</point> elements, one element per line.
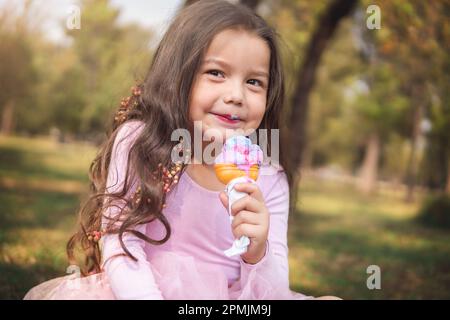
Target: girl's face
<point>229,91</point>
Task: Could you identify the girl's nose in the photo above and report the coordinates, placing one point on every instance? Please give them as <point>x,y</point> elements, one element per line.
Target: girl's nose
<point>234,95</point>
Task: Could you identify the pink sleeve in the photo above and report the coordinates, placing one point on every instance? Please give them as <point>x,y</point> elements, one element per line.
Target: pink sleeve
<point>271,273</point>
<point>128,279</point>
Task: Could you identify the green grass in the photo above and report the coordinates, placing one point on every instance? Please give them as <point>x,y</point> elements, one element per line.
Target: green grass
<point>38,212</point>
<point>335,235</point>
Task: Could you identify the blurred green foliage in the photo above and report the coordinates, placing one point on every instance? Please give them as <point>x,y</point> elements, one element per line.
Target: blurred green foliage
<point>435,212</point>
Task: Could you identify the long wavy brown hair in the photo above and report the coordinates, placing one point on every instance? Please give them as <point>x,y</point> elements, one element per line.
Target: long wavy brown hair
<point>163,107</point>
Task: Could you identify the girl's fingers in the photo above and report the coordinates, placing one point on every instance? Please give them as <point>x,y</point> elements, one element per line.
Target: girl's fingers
<point>252,189</point>
<point>245,229</point>
<point>224,199</point>
<point>245,217</point>
<point>246,203</point>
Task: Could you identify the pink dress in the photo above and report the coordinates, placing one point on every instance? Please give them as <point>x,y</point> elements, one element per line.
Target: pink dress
<point>191,264</point>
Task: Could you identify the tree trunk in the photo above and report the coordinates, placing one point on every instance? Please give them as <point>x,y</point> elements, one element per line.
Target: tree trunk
<point>412,168</point>
<point>8,118</point>
<point>369,169</point>
<point>447,187</point>
<point>308,157</point>
<point>326,27</point>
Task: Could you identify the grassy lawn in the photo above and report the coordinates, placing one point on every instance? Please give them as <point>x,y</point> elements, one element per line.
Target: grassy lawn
<point>42,184</point>
<point>338,233</point>
<point>335,235</point>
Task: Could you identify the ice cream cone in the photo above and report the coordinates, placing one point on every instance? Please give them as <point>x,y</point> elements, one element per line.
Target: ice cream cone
<point>239,162</point>
<point>226,172</point>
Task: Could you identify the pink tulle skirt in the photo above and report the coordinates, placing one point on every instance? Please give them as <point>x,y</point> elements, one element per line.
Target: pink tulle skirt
<point>178,277</point>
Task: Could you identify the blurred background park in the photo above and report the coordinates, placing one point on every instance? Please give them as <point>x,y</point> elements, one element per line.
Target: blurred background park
<point>368,110</point>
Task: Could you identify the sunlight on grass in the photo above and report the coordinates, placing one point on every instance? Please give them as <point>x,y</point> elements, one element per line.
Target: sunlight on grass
<point>34,246</point>
<point>40,158</point>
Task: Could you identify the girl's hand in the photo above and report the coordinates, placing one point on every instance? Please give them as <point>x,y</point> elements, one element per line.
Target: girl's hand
<point>251,218</point>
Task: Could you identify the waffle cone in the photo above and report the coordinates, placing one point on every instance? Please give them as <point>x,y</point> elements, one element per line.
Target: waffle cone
<point>226,172</point>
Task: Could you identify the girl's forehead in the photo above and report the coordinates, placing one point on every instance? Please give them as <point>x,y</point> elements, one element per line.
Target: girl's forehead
<point>238,47</point>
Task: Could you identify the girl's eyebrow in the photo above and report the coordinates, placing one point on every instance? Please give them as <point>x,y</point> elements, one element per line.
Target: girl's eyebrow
<point>225,64</point>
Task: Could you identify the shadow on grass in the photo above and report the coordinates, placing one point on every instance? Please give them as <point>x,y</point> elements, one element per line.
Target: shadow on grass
<point>414,261</point>
<point>21,213</point>
<point>11,158</point>
<point>16,280</point>
<point>35,223</point>
<point>34,209</point>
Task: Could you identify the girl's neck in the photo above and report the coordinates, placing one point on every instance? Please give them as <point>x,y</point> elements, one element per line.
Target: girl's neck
<point>205,176</point>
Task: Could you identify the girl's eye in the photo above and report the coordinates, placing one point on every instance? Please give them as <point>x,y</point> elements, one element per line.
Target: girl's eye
<point>214,72</point>
<point>217,73</point>
<point>258,81</point>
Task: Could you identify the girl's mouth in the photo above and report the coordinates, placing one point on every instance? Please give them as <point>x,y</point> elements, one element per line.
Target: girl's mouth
<point>227,118</point>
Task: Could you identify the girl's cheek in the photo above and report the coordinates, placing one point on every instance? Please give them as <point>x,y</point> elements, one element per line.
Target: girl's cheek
<point>256,118</point>
<point>206,97</point>
<point>259,107</point>
<point>199,99</point>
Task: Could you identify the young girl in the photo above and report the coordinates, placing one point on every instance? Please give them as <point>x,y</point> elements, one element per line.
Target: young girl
<point>155,229</point>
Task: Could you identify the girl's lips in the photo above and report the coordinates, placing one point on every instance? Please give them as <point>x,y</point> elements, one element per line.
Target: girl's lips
<point>226,118</point>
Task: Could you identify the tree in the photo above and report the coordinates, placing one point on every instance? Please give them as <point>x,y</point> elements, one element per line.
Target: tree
<point>416,32</point>
<point>16,65</point>
<point>110,59</point>
<point>326,27</point>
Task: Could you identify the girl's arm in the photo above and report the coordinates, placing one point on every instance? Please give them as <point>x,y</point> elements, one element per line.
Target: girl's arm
<point>128,279</point>
<point>273,268</point>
